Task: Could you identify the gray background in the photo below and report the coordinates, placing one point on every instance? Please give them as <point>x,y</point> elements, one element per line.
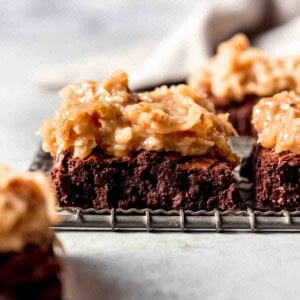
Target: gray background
<point>34,34</point>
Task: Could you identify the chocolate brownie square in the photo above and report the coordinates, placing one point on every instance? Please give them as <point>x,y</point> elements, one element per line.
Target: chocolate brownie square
<point>238,75</point>
<point>161,149</point>
<point>29,267</point>
<point>32,273</point>
<point>277,180</point>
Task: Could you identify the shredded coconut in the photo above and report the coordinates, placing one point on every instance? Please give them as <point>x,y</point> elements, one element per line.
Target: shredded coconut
<point>238,70</point>
<point>277,121</point>
<point>26,209</point>
<point>108,116</point>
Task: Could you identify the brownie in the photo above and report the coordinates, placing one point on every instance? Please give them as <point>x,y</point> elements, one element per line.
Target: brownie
<point>240,113</point>
<point>30,274</point>
<point>147,179</point>
<point>277,180</point>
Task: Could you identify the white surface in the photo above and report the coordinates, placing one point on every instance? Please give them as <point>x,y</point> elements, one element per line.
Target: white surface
<point>135,266</point>
<point>183,266</point>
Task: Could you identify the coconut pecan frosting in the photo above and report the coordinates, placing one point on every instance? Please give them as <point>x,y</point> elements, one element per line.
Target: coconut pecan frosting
<point>238,70</point>
<point>27,208</point>
<point>277,121</point>
<point>108,116</point>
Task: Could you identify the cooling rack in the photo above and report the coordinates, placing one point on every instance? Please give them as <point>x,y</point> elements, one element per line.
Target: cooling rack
<point>175,220</point>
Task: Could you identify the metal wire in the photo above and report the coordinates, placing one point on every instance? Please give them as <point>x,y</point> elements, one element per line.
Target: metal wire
<point>173,220</point>
<point>177,220</point>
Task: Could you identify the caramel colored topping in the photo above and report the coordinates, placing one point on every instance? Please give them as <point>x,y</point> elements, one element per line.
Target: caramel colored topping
<point>108,116</point>
<point>277,121</point>
<point>238,70</point>
<point>26,209</point>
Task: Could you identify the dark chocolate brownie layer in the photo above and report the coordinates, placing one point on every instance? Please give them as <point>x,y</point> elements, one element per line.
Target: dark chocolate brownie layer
<point>240,114</point>
<point>30,274</point>
<point>147,179</point>
<point>277,180</point>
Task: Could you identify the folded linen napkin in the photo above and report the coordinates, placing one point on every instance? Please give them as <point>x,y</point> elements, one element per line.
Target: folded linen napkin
<point>272,25</point>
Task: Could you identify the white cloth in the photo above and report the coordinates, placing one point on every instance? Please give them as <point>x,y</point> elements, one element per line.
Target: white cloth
<point>274,25</point>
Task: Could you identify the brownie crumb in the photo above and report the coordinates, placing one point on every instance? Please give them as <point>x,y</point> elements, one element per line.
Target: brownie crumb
<point>277,180</point>
<point>147,179</point>
<point>32,273</point>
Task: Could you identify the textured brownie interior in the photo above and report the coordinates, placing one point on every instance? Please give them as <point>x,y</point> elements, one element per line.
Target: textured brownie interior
<point>147,179</point>
<point>277,180</point>
<point>32,273</point>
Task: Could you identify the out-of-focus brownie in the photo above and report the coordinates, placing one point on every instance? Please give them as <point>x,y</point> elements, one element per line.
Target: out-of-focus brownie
<point>277,156</point>
<point>146,179</point>
<point>239,75</point>
<point>240,113</point>
<point>160,149</point>
<point>29,268</point>
<point>31,273</point>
